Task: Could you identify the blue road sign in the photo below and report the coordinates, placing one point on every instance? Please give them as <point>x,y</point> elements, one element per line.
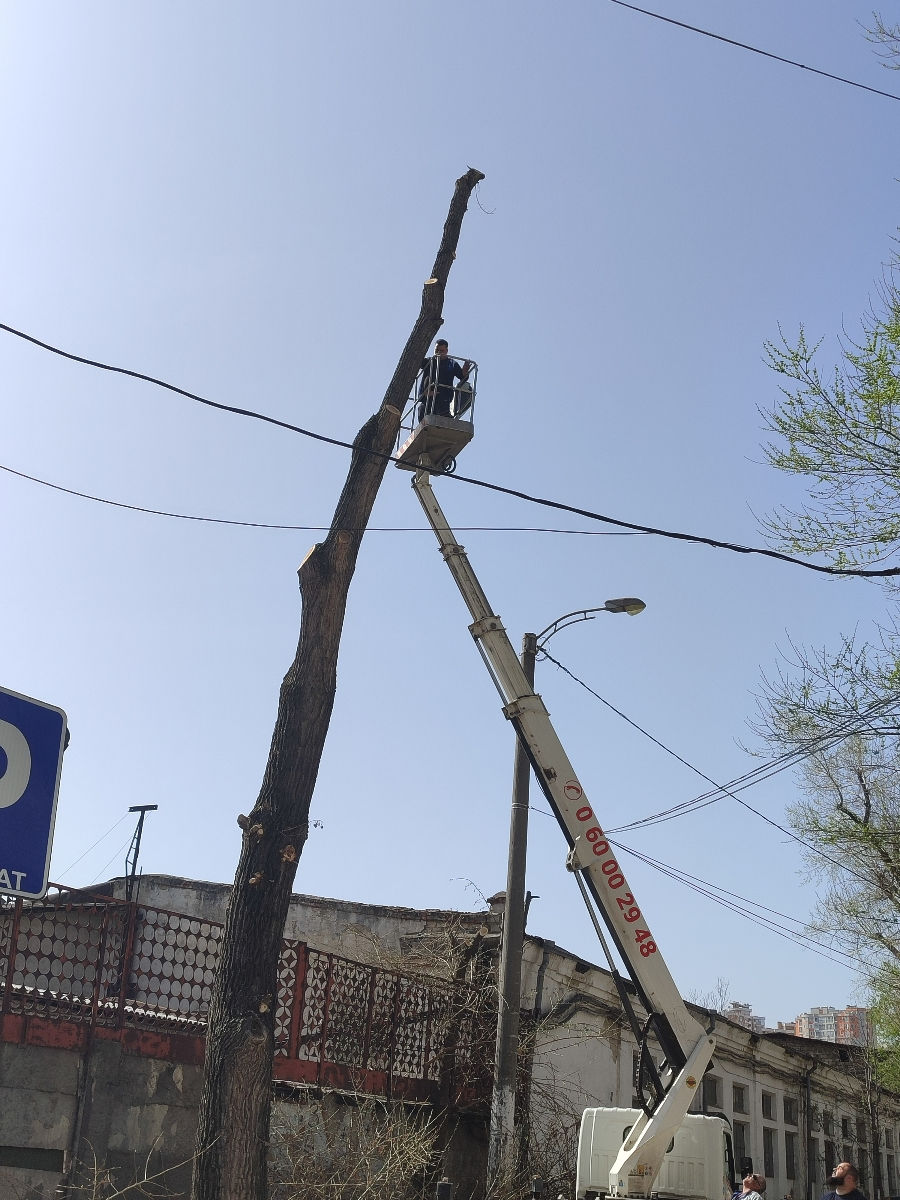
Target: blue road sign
<point>32,740</point>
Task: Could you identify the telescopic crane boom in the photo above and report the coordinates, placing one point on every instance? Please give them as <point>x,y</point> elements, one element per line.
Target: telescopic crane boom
<point>666,1089</point>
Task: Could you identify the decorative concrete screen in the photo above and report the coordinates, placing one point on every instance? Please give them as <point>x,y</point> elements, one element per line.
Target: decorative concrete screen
<point>74,960</point>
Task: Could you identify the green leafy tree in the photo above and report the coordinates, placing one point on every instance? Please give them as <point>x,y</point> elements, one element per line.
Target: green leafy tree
<point>850,814</point>
<point>885,1016</point>
<point>840,431</point>
<point>836,429</point>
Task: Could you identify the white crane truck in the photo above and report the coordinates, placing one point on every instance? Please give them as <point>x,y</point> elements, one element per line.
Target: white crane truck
<point>658,1134</point>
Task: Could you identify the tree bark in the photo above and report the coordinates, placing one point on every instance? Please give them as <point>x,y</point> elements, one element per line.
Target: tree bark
<point>233,1131</point>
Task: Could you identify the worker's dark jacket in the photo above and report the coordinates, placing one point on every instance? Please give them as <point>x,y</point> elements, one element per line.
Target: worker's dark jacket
<point>436,385</point>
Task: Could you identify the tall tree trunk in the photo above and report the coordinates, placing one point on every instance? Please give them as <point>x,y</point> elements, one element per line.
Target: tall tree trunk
<point>233,1132</point>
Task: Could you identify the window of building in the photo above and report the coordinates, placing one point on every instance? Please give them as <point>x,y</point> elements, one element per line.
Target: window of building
<point>830,1158</point>
<point>741,1142</point>
<point>790,1155</point>
<point>739,1098</point>
<point>828,1124</point>
<point>846,1132</point>
<point>861,1130</point>
<point>891,1173</point>
<point>790,1114</point>
<point>768,1107</point>
<point>768,1152</point>
<point>816,1163</point>
<point>30,1158</point>
<point>712,1092</point>
<point>847,1156</point>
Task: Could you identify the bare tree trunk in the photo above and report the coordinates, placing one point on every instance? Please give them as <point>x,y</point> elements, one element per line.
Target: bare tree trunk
<point>233,1132</point>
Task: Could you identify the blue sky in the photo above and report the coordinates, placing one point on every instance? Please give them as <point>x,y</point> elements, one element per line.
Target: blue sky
<point>245,200</point>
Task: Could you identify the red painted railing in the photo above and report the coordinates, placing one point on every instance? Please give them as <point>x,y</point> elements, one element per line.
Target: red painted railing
<point>76,962</point>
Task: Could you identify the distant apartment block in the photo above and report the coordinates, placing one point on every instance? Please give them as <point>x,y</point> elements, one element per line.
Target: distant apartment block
<point>742,1014</point>
<point>853,1026</point>
<point>818,1023</point>
<point>849,1025</point>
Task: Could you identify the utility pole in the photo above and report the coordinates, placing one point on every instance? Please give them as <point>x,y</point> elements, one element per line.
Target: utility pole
<point>131,858</point>
<point>503,1149</point>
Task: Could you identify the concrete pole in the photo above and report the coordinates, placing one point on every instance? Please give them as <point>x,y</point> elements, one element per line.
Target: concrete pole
<point>502,1146</point>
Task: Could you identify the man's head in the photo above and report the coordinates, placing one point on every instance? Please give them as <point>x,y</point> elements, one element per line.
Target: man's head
<point>440,347</point>
<point>844,1178</point>
<point>755,1183</point>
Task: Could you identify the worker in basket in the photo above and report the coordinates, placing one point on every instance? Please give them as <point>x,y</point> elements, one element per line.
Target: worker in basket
<point>437,386</point>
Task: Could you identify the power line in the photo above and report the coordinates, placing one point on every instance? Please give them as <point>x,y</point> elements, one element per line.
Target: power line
<point>124,846</point>
<point>545,502</point>
<point>100,839</point>
<point>729,900</point>
<point>756,50</point>
<point>825,740</point>
<point>171,387</point>
<point>735,903</point>
<point>156,512</point>
<point>744,804</point>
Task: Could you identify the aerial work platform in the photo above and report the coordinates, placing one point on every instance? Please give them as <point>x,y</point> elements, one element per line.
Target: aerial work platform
<point>430,440</point>
<point>438,439</point>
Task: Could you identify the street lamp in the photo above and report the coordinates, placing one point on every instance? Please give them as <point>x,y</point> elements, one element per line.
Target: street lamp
<point>624,604</point>
<point>501,1145</point>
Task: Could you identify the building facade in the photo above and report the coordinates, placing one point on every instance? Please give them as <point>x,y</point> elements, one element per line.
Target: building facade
<point>796,1106</point>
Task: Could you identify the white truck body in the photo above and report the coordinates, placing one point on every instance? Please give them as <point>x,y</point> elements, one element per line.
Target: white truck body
<point>698,1164</point>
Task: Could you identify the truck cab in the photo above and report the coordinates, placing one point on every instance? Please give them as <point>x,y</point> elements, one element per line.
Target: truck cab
<point>698,1163</point>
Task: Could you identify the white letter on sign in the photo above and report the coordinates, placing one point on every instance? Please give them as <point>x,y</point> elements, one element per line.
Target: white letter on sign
<point>14,780</point>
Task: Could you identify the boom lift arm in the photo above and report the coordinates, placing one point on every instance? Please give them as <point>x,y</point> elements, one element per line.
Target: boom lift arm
<point>666,1091</point>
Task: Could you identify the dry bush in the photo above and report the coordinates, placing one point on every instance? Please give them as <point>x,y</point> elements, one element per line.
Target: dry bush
<point>326,1151</point>
<point>95,1181</point>
<point>339,1158</point>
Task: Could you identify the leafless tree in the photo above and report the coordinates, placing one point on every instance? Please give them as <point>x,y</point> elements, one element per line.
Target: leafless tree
<point>235,1102</point>
<point>715,998</point>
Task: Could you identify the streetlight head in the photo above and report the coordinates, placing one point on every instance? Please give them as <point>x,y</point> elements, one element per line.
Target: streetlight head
<point>625,604</point>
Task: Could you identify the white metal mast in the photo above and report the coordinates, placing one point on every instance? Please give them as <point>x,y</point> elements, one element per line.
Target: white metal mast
<point>666,1090</point>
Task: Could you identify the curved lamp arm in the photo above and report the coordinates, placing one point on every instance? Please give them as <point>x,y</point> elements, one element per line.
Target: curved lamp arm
<point>624,604</point>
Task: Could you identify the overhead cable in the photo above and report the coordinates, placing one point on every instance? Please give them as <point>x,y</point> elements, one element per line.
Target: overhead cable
<point>852,724</point>
<point>744,804</point>
<point>93,845</point>
<point>559,506</point>
<point>755,50</point>
<point>110,861</point>
<point>737,904</point>
<point>156,512</point>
